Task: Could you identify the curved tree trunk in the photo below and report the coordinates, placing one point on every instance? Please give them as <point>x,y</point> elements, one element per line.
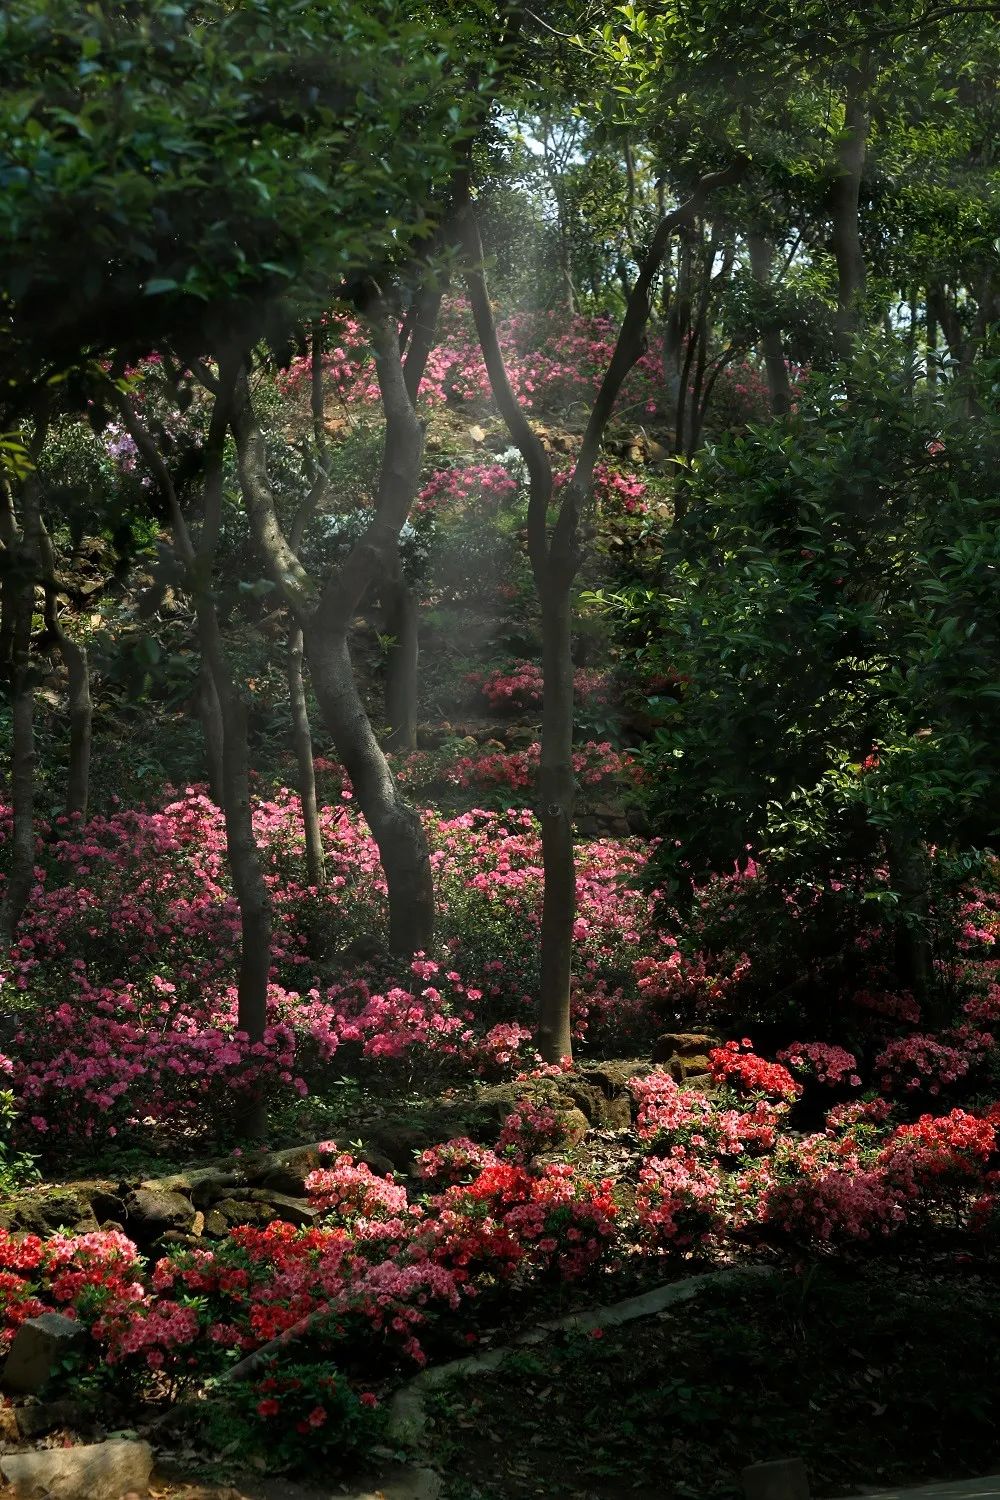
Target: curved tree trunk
<point>402,661</point>
<point>395,825</point>
<point>326,616</point>
<point>555,560</point>
<point>302,742</point>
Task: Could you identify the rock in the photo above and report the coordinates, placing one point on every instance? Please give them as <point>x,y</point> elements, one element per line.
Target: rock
<point>203,1185</point>
<point>782,1479</point>
<point>685,1054</point>
<point>610,1109</point>
<point>44,1213</point>
<point>574,1125</point>
<point>151,1211</point>
<point>98,1471</point>
<point>38,1346</point>
<point>687,1043</point>
<point>10,1431</point>
<point>36,1421</point>
<point>293,1210</point>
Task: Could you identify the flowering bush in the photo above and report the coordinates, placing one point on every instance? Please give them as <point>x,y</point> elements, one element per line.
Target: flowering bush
<point>736,1065</point>
<point>816,1191</point>
<point>677,1203</point>
<point>452,1162</point>
<point>673,1117</point>
<point>299,1413</point>
<point>349,1190</point>
<point>828,1065</point>
<point>519,686</point>
<point>921,1062</point>
<point>938,1161</point>
<point>530,1129</point>
<point>510,1220</point>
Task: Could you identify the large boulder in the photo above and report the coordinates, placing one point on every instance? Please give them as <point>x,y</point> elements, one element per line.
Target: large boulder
<point>96,1471</point>
<point>39,1346</point>
<point>45,1211</point>
<point>151,1211</point>
<point>684,1054</point>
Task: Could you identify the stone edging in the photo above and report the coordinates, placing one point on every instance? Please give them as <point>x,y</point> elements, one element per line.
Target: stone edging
<point>407,1415</point>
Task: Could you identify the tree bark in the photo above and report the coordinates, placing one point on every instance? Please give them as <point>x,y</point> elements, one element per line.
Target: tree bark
<point>302,742</point>
<point>557,806</point>
<point>395,825</point>
<point>24,553</point>
<point>210,714</point>
<point>402,661</point>
<point>243,855</point>
<point>326,617</point>
<point>909,873</point>
<point>81,708</point>
<point>844,201</point>
<point>779,389</point>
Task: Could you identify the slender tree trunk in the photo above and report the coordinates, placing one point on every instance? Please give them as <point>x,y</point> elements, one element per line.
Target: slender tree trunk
<point>909,871</point>
<point>555,561</point>
<point>844,200</point>
<point>22,698</point>
<point>402,661</point>
<point>779,389</point>
<point>395,825</point>
<point>302,741</point>
<point>557,799</point>
<point>81,716</point>
<point>81,709</point>
<point>210,714</point>
<point>244,865</point>
<point>242,853</point>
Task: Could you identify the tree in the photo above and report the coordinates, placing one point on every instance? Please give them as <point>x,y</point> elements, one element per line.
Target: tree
<point>555,556</point>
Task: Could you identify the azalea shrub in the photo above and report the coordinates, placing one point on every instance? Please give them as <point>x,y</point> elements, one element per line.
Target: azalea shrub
<point>297,1414</point>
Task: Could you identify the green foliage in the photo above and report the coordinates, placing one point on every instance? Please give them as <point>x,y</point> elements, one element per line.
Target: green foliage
<point>831,612</point>
<point>175,166</point>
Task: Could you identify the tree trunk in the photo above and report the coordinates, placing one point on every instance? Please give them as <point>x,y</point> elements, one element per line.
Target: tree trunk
<point>81,716</point>
<point>75,660</point>
<point>844,200</point>
<point>402,661</point>
<point>761,259</point>
<point>302,741</point>
<point>326,617</point>
<point>243,857</point>
<point>909,873</point>
<point>395,825</point>
<point>22,696</point>
<point>556,799</point>
<point>242,853</point>
<point>555,561</point>
<point>210,714</point>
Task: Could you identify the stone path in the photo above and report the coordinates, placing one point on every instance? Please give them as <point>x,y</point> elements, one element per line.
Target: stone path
<point>956,1489</point>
